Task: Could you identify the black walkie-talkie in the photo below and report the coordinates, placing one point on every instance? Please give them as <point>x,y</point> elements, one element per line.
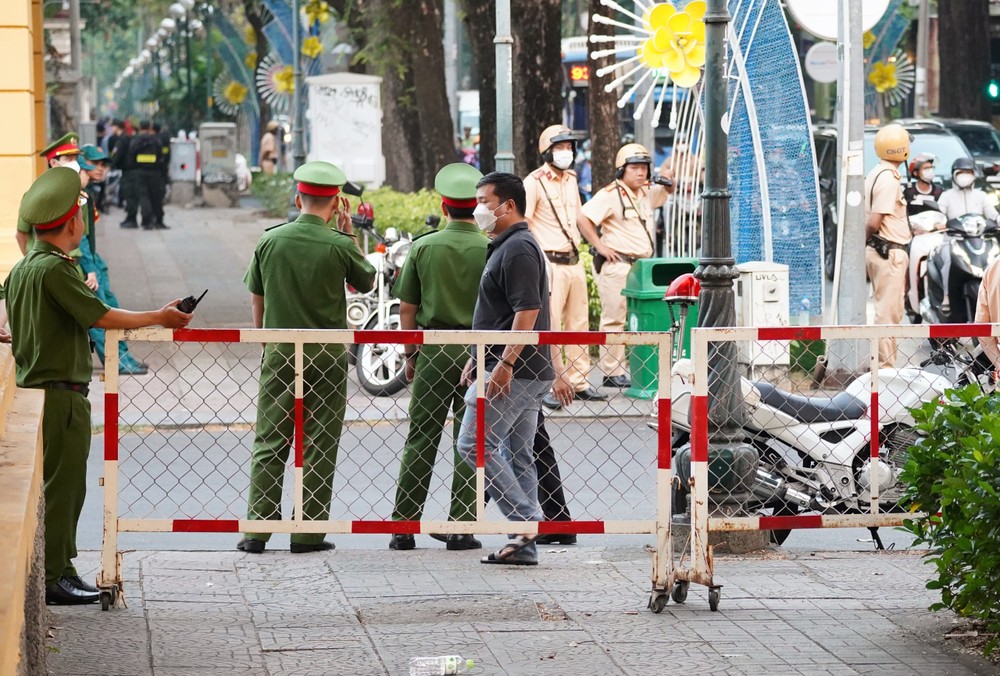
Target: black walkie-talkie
<point>188,305</point>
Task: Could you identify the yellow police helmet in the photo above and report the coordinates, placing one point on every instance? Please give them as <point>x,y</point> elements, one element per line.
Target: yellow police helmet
<point>892,143</point>
<point>557,133</point>
<point>632,153</point>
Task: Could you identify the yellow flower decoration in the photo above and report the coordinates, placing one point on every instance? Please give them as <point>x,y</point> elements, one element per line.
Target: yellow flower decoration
<point>235,93</point>
<point>678,41</point>
<point>312,47</point>
<point>251,60</point>
<point>883,77</point>
<point>317,11</point>
<point>869,39</point>
<point>249,34</point>
<point>284,80</point>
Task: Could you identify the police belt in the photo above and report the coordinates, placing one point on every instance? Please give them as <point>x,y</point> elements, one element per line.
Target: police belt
<point>875,241</point>
<point>82,388</point>
<point>563,257</point>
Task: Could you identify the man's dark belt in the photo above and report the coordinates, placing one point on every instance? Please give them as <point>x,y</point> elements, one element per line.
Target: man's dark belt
<point>891,245</point>
<point>627,259</point>
<point>563,257</point>
<point>82,388</point>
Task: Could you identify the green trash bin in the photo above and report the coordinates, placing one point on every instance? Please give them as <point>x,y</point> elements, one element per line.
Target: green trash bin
<point>647,311</point>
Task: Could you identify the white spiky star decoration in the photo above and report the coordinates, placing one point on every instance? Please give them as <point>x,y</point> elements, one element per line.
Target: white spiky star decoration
<point>669,45</point>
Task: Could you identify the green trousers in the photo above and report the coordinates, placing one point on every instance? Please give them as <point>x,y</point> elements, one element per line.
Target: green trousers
<point>435,391</point>
<point>65,448</point>
<point>324,402</point>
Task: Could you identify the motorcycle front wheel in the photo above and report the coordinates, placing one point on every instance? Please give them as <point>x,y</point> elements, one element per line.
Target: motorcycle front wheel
<point>381,367</point>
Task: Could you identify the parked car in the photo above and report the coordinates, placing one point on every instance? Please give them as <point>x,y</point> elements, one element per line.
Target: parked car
<point>935,139</point>
<point>980,138</point>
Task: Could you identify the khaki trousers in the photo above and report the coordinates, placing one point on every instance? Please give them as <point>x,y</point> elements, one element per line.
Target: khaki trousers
<point>888,288</point>
<point>569,305</point>
<point>610,284</point>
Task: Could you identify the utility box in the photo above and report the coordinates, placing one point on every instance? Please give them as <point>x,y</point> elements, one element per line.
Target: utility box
<point>762,300</point>
<point>183,170</point>
<point>345,124</point>
<point>218,164</point>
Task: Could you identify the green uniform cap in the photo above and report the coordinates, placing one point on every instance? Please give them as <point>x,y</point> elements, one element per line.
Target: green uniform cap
<point>319,178</point>
<point>65,145</point>
<point>52,199</point>
<point>457,181</point>
<point>93,153</point>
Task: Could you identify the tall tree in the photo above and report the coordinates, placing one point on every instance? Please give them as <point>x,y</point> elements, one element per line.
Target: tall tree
<point>603,111</point>
<point>538,78</point>
<point>537,74</point>
<point>253,9</point>
<point>964,48</point>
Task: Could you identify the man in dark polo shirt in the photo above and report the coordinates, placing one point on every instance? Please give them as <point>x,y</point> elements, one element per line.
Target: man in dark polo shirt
<point>513,296</point>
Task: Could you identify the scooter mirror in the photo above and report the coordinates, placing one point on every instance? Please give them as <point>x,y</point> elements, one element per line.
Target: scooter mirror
<point>352,188</point>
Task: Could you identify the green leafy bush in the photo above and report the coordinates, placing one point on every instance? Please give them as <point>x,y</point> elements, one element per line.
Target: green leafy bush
<point>274,192</point>
<point>953,477</point>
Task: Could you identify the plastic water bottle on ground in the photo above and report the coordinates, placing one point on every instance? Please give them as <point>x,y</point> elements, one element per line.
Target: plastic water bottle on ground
<point>443,665</point>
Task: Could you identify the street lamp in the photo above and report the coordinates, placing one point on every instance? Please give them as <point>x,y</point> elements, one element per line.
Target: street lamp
<point>179,11</point>
<point>734,461</point>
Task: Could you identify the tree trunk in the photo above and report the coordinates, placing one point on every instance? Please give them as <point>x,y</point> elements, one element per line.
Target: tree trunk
<point>479,17</point>
<point>964,28</point>
<point>251,9</point>
<point>538,79</point>
<point>435,140</point>
<point>603,111</point>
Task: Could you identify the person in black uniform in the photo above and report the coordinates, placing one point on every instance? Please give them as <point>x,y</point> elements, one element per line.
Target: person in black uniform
<point>164,134</point>
<point>119,152</point>
<point>145,159</point>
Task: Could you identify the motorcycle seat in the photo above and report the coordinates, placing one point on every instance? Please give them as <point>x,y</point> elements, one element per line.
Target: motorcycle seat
<point>838,408</point>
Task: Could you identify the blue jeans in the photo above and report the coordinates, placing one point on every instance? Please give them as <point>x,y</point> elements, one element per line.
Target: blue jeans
<point>511,423</point>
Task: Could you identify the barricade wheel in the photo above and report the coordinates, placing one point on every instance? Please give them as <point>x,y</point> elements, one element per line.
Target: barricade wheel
<point>714,594</point>
<point>105,600</point>
<point>657,602</point>
<point>680,592</point>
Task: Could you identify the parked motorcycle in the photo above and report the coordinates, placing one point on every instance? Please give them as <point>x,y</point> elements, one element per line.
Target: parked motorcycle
<point>955,270</point>
<point>815,451</point>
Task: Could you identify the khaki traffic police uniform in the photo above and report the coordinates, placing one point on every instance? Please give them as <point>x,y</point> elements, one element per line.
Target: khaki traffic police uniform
<point>437,278</point>
<point>626,225</point>
<point>300,269</point>
<point>553,202</point>
<point>50,311</point>
<point>884,195</point>
<point>988,309</point>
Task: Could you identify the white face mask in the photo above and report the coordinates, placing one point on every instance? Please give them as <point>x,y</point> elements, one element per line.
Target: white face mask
<point>562,159</point>
<point>964,180</point>
<point>485,217</point>
<point>927,175</point>
<point>74,165</point>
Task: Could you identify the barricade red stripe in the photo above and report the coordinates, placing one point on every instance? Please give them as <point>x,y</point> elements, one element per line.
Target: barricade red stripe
<point>300,432</point>
<point>551,527</point>
<point>664,435</point>
<point>393,337</point>
<point>873,413</point>
<point>377,527</point>
<point>206,526</point>
<point>206,335</point>
<point>480,432</point>
<point>573,338</point>
<point>699,428</point>
<point>790,333</point>
<point>787,522</point>
<point>110,425</point>
<point>959,330</point>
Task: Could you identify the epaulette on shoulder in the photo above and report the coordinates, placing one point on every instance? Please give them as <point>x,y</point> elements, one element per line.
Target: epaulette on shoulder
<point>424,234</point>
<point>539,173</point>
<point>65,257</point>
<point>610,187</point>
<point>571,172</point>
<point>274,226</point>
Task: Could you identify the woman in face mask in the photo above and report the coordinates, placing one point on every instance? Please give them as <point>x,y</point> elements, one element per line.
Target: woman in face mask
<point>963,197</point>
<point>922,189</point>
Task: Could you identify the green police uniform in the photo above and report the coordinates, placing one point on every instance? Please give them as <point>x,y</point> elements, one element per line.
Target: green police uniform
<point>436,278</point>
<point>284,271</point>
<point>50,311</point>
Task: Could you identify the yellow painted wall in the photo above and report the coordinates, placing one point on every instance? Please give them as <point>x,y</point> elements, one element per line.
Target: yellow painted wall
<point>22,98</point>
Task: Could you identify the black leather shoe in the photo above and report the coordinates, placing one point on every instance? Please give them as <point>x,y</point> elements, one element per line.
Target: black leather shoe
<point>462,541</point>
<point>161,226</point>
<point>128,225</point>
<point>617,381</point>
<point>557,539</point>
<point>401,542</point>
<point>63,593</point>
<point>303,548</point>
<point>440,537</point>
<point>590,394</point>
<point>548,401</point>
<point>77,582</point>
<point>251,546</point>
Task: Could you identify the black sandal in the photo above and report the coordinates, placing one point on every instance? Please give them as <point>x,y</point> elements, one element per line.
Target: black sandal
<point>507,554</point>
